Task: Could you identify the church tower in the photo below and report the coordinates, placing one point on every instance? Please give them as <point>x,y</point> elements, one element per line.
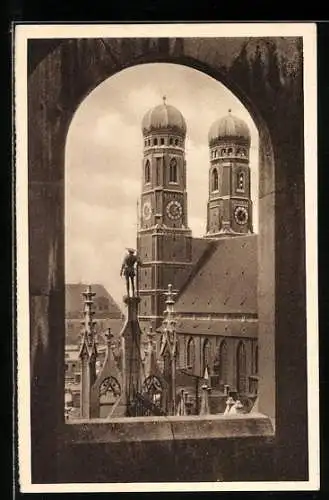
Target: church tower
<point>229,202</point>
<point>164,241</point>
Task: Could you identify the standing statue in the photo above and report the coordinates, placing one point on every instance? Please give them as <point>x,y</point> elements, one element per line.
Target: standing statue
<point>129,268</point>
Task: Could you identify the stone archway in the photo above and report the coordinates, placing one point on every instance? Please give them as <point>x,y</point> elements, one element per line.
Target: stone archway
<point>267,75</point>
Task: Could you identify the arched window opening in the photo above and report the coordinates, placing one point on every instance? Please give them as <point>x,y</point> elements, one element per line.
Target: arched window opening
<point>214,180</point>
<point>171,141</point>
<point>173,170</point>
<point>147,172</point>
<point>158,171</point>
<point>230,151</point>
<point>162,141</point>
<point>240,181</point>
<point>190,354</point>
<point>176,142</point>
<point>205,355</point>
<point>220,364</point>
<point>223,152</point>
<point>241,366</point>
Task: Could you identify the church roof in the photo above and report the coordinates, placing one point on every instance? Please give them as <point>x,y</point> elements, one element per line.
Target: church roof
<point>224,281</point>
<point>104,304</point>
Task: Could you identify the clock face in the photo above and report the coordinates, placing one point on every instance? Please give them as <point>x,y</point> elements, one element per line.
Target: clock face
<point>147,211</point>
<point>174,210</point>
<point>241,215</point>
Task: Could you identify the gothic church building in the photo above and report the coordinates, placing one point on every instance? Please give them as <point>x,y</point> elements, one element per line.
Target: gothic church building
<point>214,277</point>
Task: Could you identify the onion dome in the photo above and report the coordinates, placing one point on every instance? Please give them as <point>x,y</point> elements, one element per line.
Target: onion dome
<point>229,128</point>
<point>164,117</point>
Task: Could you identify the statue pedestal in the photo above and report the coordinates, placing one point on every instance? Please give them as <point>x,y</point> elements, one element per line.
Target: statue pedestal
<point>131,359</point>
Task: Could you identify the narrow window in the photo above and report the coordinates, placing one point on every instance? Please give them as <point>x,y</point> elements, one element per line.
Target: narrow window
<point>190,354</point>
<point>230,151</point>
<point>171,141</point>
<point>205,356</point>
<point>241,375</point>
<point>158,171</point>
<point>173,170</point>
<point>220,364</point>
<point>214,181</point>
<point>147,172</point>
<point>176,142</point>
<point>240,181</point>
<point>155,141</point>
<point>162,141</point>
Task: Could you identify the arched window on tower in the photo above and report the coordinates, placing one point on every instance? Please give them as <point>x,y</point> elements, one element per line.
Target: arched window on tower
<point>190,354</point>
<point>214,180</point>
<point>241,367</point>
<point>176,142</point>
<point>173,170</point>
<point>240,181</point>
<point>147,173</point>
<point>205,356</point>
<point>230,151</point>
<point>158,171</point>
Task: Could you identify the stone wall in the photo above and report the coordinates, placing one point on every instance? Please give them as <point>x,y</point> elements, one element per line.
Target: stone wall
<point>266,74</point>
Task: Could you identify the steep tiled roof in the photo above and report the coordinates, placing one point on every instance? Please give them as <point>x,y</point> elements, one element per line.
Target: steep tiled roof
<point>224,281</point>
<point>74,301</point>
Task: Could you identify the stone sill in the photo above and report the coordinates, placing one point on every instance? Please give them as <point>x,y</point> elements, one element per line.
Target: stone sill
<point>182,428</point>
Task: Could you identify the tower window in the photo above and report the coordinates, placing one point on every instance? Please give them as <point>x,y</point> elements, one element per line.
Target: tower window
<point>147,172</point>
<point>214,180</point>
<point>176,142</point>
<point>145,143</point>
<point>158,170</point>
<point>173,170</point>
<point>230,151</point>
<point>240,181</point>
<point>162,141</point>
<point>149,142</point>
<point>171,141</point>
<point>155,141</point>
<point>223,152</point>
<point>215,153</point>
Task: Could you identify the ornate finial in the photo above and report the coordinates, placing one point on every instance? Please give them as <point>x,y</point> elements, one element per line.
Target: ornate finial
<point>164,98</point>
<point>170,295</point>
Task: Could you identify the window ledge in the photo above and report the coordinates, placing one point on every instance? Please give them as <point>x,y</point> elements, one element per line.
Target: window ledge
<point>167,428</point>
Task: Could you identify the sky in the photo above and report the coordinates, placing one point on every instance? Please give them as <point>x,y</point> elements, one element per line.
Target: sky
<point>103,163</point>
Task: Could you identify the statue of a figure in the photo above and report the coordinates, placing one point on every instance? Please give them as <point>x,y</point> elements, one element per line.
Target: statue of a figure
<point>129,269</point>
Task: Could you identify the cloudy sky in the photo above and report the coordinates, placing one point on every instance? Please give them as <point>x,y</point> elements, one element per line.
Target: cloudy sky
<point>104,163</point>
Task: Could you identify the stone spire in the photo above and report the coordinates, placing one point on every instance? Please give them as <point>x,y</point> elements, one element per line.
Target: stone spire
<point>169,347</point>
<point>87,353</point>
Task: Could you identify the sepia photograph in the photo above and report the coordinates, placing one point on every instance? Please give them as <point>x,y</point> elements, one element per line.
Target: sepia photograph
<point>166,254</point>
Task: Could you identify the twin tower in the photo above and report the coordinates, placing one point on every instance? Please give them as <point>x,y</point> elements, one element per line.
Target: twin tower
<point>164,240</point>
